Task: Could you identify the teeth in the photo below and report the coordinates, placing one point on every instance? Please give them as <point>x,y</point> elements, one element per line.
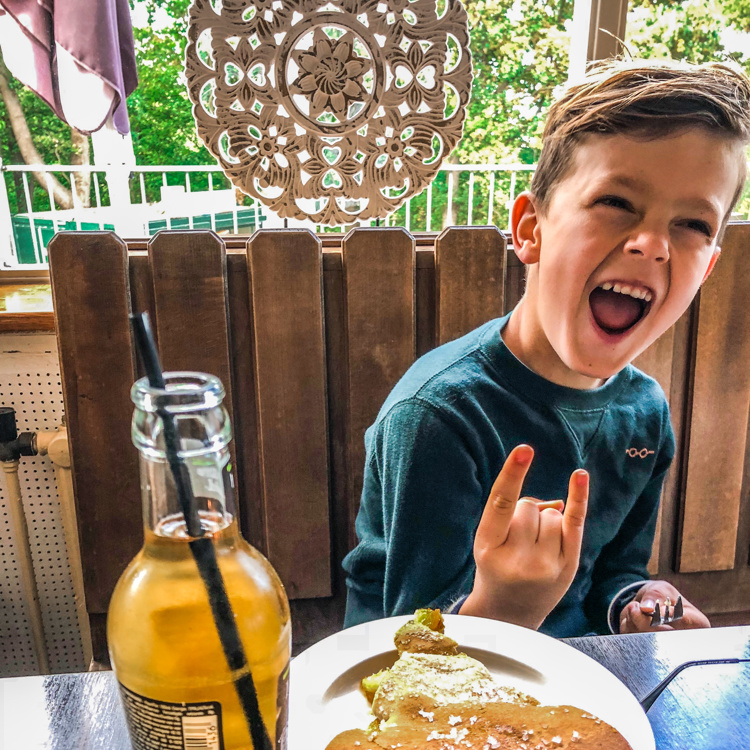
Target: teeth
<point>626,289</point>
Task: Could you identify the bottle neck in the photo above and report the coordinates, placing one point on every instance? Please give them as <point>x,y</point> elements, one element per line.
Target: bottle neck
<point>212,487</point>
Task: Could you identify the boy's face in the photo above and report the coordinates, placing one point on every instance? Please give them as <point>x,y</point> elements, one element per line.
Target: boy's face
<point>628,236</point>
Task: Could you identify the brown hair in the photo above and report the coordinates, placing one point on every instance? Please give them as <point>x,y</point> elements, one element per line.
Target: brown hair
<point>643,99</point>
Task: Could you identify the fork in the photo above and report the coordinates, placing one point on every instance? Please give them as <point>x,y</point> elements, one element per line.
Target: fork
<point>671,613</point>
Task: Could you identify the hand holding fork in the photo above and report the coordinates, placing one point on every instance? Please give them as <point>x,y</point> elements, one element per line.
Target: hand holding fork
<point>670,614</point>
<point>659,606</point>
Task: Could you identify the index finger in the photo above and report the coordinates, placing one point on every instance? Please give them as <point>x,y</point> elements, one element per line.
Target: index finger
<point>574,515</point>
<point>501,504</point>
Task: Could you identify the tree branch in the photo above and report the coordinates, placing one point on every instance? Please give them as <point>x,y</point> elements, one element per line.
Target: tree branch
<point>62,196</point>
<point>82,155</point>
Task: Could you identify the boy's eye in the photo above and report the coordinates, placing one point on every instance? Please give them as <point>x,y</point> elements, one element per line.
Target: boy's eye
<point>615,202</point>
<point>699,226</point>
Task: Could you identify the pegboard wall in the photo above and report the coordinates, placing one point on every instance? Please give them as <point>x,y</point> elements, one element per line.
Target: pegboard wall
<point>30,383</point>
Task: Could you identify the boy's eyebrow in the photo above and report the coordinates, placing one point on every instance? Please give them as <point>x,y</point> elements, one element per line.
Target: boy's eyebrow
<point>629,182</point>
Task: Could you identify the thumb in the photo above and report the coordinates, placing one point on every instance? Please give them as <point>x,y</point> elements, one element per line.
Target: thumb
<point>654,591</point>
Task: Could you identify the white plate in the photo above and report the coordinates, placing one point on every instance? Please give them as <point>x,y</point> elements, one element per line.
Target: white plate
<point>324,684</point>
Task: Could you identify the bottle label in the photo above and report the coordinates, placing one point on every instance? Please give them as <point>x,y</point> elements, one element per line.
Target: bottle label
<point>158,725</point>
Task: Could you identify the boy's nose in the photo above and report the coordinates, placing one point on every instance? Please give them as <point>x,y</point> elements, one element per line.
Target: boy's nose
<point>651,245</point>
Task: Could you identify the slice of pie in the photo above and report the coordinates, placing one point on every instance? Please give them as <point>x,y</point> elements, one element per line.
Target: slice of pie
<point>435,698</point>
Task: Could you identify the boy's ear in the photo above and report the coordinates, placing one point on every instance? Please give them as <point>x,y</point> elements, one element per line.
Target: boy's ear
<point>711,264</point>
<point>525,228</point>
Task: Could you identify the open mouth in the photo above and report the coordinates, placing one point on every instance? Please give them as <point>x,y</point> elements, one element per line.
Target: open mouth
<point>616,308</point>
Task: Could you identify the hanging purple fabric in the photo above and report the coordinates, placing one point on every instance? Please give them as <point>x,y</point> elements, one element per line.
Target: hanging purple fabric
<point>77,55</point>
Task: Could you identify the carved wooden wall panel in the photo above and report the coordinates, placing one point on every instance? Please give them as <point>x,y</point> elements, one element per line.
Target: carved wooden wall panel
<point>334,111</point>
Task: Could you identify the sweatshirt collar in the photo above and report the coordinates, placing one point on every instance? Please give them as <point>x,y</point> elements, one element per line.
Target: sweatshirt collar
<point>531,385</point>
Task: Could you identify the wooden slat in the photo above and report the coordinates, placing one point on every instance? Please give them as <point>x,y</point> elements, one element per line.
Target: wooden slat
<point>470,275</point>
<point>89,274</point>
<point>190,302</point>
<point>656,361</point>
<point>313,619</point>
<point>719,420</point>
<point>188,270</point>
<point>379,277</point>
<point>286,278</point>
<point>680,392</point>
<point>242,346</point>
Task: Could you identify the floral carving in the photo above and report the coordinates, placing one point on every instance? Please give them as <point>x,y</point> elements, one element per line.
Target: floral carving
<point>336,110</point>
<point>330,74</point>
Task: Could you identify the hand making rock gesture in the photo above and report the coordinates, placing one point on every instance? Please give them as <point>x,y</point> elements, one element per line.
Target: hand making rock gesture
<point>526,550</point>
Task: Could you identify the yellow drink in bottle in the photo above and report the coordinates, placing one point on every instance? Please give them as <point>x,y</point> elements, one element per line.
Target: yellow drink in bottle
<point>177,688</point>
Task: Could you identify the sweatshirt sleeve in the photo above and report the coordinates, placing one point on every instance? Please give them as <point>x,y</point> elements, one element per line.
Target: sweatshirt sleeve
<point>623,563</point>
<point>421,503</point>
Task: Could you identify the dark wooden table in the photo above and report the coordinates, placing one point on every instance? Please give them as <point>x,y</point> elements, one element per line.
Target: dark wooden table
<point>704,708</point>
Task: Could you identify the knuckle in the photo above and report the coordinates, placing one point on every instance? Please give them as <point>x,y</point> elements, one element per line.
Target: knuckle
<point>481,555</point>
<point>576,520</point>
<point>533,502</point>
<point>502,503</point>
<point>547,571</point>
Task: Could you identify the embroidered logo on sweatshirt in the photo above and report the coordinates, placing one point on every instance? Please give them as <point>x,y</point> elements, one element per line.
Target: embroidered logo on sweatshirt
<point>636,453</point>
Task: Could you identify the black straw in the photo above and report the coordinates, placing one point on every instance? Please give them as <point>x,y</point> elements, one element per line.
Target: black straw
<point>200,545</point>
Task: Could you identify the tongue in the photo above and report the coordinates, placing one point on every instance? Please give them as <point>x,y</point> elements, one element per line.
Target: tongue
<point>614,312</point>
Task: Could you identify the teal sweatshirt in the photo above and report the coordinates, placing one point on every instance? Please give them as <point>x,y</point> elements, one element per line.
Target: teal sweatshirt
<point>437,446</point>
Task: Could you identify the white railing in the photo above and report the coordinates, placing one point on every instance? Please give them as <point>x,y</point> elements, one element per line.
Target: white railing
<point>137,201</point>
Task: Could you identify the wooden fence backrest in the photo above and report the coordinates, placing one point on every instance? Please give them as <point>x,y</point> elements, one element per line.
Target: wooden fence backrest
<point>309,334</point>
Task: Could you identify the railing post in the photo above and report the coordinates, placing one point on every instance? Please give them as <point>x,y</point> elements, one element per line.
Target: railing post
<point>50,195</point>
<point>28,194</point>
<point>210,190</point>
<point>76,201</point>
<point>429,208</point>
<point>114,153</point>
<point>491,197</point>
<point>470,214</point>
<point>8,256</point>
<point>450,199</point>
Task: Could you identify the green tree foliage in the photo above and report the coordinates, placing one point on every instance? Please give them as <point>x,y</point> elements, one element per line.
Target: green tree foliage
<point>519,53</point>
<point>688,30</point>
<point>160,112</point>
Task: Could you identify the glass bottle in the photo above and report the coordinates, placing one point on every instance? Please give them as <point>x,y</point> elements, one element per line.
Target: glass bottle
<point>176,685</point>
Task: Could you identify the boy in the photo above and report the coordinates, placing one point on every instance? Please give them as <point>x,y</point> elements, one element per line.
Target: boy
<point>640,167</point>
